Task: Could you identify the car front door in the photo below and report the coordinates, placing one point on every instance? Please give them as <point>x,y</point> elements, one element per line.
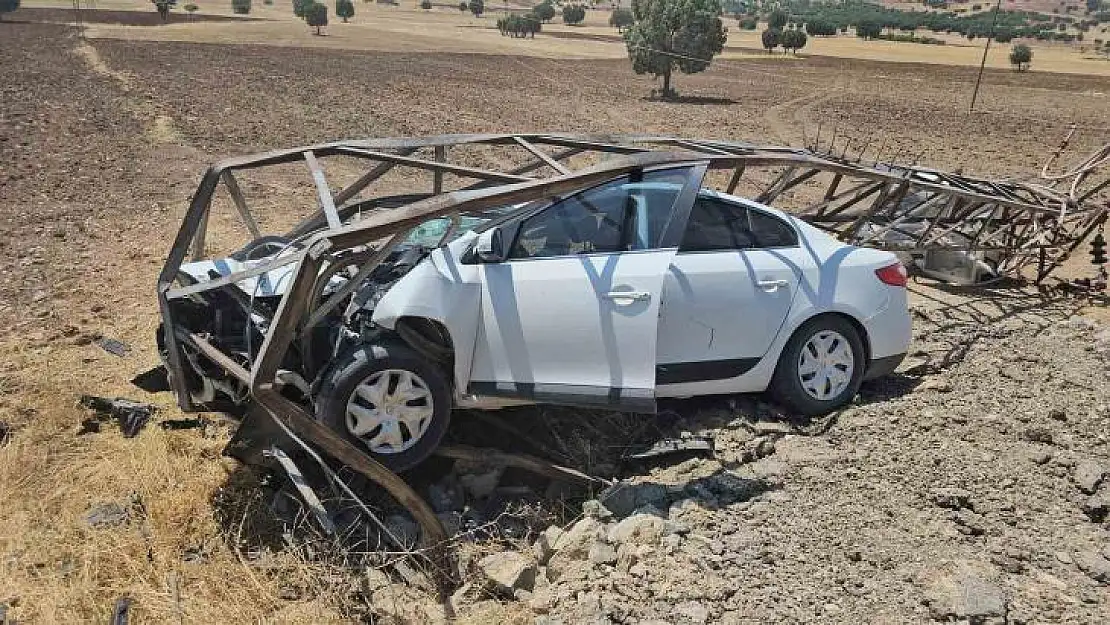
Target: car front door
<point>726,294</point>
<point>570,317</point>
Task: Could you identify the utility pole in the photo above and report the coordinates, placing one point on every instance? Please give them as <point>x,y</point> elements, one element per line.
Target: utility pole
<point>983,63</point>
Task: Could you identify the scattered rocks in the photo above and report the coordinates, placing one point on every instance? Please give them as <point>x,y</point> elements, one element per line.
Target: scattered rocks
<point>951,498</point>
<point>1037,434</point>
<point>602,553</point>
<point>1094,565</point>
<point>1087,475</point>
<point>962,592</point>
<point>446,495</point>
<point>643,529</point>
<point>508,571</point>
<point>691,612</point>
<point>107,514</point>
<point>1096,507</point>
<point>623,498</point>
<point>968,522</point>
<point>544,546</point>
<point>595,510</point>
<point>936,383</point>
<point>481,485</point>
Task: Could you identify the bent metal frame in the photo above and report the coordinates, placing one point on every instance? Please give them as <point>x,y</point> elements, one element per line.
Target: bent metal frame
<point>1030,227</point>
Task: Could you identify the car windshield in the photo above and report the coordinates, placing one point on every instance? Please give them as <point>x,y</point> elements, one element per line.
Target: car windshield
<point>430,233</point>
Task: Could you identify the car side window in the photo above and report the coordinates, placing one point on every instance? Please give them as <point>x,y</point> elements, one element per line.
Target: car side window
<point>628,213</point>
<point>770,231</point>
<point>717,224</point>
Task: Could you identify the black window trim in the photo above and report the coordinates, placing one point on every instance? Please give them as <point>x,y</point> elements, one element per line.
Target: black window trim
<point>746,206</point>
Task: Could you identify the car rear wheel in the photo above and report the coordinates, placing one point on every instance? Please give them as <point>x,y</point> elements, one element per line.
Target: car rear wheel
<point>388,401</point>
<point>821,367</point>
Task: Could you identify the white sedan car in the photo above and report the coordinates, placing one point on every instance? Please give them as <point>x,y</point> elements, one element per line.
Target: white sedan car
<point>641,288</point>
<point>646,286</point>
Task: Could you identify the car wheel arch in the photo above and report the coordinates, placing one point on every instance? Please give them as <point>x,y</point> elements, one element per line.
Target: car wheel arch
<point>430,338</point>
<point>857,325</point>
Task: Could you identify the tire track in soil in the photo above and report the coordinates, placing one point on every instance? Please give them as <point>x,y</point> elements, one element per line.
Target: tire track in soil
<point>787,130</point>
<point>160,128</point>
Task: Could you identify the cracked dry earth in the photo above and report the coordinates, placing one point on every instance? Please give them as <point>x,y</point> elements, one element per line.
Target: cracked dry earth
<point>969,487</point>
<point>966,488</point>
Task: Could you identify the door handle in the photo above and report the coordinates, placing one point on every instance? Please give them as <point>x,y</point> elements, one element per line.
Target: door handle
<point>624,298</point>
<point>773,285</point>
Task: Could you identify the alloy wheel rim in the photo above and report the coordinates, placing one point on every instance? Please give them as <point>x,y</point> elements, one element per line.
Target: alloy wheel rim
<point>826,365</point>
<point>390,410</point>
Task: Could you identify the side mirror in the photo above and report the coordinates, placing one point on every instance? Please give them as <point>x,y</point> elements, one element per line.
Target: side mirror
<point>490,247</point>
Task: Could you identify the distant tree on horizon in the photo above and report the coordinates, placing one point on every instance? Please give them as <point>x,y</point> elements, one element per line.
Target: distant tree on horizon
<point>794,40</point>
<point>345,9</point>
<point>771,38</point>
<point>477,7</point>
<point>316,15</point>
<point>545,11</point>
<point>674,34</point>
<point>7,6</point>
<point>1021,57</point>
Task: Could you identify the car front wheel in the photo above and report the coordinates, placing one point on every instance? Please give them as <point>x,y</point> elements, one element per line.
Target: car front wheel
<point>388,401</point>
<point>821,367</point>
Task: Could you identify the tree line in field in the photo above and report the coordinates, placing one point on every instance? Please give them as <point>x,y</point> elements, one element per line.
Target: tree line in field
<point>827,18</point>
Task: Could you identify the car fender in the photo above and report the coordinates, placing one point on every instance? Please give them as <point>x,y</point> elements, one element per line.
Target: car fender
<point>441,289</point>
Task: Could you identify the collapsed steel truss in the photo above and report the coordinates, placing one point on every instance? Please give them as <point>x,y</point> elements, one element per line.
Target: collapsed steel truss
<point>1023,228</point>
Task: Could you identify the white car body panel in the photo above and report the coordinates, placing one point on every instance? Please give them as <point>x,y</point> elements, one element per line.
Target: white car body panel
<point>442,289</point>
<point>539,322</point>
<point>559,322</point>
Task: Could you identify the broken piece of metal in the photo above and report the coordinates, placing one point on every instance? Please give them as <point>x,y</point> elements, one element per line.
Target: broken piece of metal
<point>308,495</point>
<point>153,380</point>
<point>114,347</point>
<point>132,416</point>
<point>520,461</point>
<point>670,450</point>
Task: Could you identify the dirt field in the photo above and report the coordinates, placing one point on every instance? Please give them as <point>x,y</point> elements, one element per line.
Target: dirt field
<point>102,143</point>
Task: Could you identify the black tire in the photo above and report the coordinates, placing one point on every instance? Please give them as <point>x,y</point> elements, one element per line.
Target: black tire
<point>340,382</point>
<point>786,385</point>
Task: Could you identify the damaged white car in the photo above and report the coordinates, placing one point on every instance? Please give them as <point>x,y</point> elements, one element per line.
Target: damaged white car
<point>611,286</point>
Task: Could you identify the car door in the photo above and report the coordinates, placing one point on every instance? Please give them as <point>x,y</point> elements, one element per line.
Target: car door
<point>726,294</point>
<point>571,316</point>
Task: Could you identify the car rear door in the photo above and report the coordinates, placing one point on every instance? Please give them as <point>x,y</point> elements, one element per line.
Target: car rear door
<point>571,316</point>
<point>727,293</point>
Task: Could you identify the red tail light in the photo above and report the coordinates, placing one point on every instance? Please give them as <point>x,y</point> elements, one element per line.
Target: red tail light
<point>894,275</point>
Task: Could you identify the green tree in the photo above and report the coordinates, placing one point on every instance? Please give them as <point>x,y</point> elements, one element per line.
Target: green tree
<point>794,40</point>
<point>426,5</point>
<point>477,7</point>
<point>463,6</point>
<point>189,8</point>
<point>300,7</point>
<point>545,11</point>
<point>621,19</point>
<point>748,23</point>
<point>241,7</point>
<point>771,39</point>
<point>573,14</point>
<point>344,9</point>
<point>163,8</point>
<point>869,29</point>
<point>316,15</point>
<point>777,20</point>
<point>1021,56</point>
<point>669,34</point>
<point>7,6</point>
